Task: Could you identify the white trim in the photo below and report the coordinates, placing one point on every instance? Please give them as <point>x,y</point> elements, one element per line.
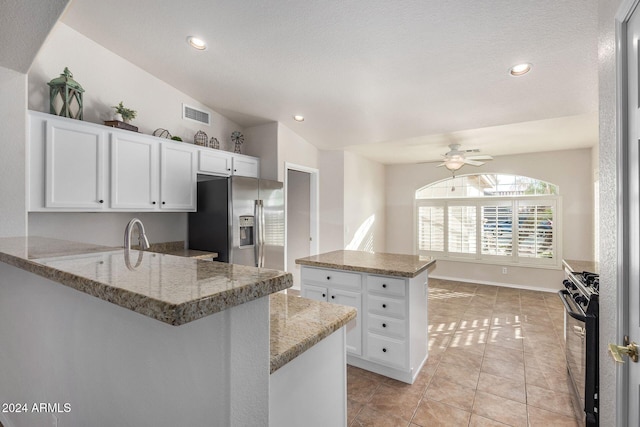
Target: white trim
<point>499,284</point>
<point>314,208</point>
<point>623,14</point>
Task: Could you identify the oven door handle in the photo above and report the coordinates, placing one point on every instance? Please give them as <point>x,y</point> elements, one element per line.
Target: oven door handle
<point>563,296</point>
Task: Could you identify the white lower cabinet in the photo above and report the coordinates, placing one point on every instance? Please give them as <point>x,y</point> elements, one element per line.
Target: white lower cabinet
<point>342,297</point>
<point>389,335</point>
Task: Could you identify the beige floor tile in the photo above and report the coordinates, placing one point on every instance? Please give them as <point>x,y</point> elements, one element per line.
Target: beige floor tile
<point>436,414</point>
<point>369,417</point>
<point>360,388</point>
<point>466,376</point>
<point>503,387</point>
<point>552,380</point>
<point>500,409</point>
<point>500,368</point>
<point>353,409</point>
<point>471,340</point>
<point>450,393</point>
<point>478,421</point>
<point>503,353</point>
<point>541,418</point>
<point>550,400</point>
<point>463,356</point>
<point>399,401</point>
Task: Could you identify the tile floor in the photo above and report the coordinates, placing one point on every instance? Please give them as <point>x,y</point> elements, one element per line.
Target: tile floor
<point>496,358</point>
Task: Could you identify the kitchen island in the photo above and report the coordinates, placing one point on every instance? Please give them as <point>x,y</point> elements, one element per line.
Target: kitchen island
<point>106,336</point>
<point>389,335</point>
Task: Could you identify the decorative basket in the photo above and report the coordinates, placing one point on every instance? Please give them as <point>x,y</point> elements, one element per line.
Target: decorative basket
<point>214,143</point>
<point>200,138</point>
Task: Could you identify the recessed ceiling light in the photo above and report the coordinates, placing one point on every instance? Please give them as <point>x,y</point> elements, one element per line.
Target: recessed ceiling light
<point>520,69</point>
<point>298,118</point>
<point>197,43</point>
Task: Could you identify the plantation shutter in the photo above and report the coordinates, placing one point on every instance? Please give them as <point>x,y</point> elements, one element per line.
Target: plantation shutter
<point>497,229</point>
<point>535,229</point>
<point>431,228</point>
<point>462,229</point>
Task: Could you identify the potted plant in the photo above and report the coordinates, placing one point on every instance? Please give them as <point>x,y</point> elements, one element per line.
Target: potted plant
<point>126,114</point>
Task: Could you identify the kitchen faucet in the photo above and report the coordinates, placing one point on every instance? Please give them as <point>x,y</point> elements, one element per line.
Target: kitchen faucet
<point>142,237</point>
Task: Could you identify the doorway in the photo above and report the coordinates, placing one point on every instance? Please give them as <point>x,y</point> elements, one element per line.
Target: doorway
<point>301,217</point>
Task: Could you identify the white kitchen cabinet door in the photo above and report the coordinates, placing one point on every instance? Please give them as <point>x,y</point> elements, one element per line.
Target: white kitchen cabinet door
<point>177,177</point>
<point>245,166</point>
<point>354,327</point>
<point>75,163</point>
<point>134,172</point>
<point>214,162</point>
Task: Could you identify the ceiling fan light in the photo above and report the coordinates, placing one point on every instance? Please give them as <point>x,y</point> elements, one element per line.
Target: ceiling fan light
<point>454,163</point>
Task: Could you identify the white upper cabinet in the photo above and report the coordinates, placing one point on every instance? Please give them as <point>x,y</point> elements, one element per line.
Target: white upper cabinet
<point>75,164</point>
<point>177,177</point>
<point>245,166</point>
<point>134,172</point>
<point>214,162</point>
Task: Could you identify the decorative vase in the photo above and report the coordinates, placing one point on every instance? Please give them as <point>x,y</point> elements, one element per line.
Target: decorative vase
<point>118,117</point>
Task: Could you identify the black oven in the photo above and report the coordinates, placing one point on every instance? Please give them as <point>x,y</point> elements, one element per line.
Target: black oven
<point>580,299</point>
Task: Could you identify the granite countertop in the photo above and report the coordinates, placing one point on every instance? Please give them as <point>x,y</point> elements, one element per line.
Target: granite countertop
<point>178,249</point>
<point>371,262</point>
<point>577,266</point>
<point>172,289</point>
<point>297,324</point>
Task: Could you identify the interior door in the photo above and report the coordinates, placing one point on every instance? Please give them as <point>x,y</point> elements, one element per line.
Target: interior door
<point>632,195</point>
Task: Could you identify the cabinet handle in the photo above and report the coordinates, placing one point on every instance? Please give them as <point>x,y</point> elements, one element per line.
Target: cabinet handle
<point>235,170</point>
<point>328,277</point>
<point>324,295</point>
<point>333,297</point>
<point>101,201</point>
<point>384,350</point>
<point>384,305</point>
<point>384,285</point>
<point>384,325</point>
<point>154,202</point>
<point>164,203</point>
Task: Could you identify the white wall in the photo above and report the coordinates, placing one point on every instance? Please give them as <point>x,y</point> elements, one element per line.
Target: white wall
<point>364,204</point>
<point>331,201</point>
<point>608,172</point>
<point>107,80</point>
<point>262,142</point>
<point>13,192</point>
<point>571,170</point>
<point>292,148</point>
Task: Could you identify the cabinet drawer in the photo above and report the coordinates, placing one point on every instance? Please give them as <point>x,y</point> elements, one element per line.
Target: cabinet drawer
<point>386,285</point>
<point>386,350</point>
<point>332,277</point>
<point>386,326</point>
<point>386,306</point>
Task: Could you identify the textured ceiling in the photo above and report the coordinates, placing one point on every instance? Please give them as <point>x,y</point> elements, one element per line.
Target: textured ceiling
<point>24,25</point>
<point>376,76</point>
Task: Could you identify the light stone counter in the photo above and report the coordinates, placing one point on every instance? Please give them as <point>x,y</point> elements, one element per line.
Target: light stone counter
<point>371,262</point>
<point>578,266</point>
<point>297,324</point>
<point>172,289</point>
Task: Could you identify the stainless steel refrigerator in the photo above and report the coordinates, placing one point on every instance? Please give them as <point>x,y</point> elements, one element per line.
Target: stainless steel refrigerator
<point>240,218</point>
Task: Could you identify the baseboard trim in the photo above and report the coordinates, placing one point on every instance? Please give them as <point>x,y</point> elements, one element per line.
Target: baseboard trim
<point>503,285</point>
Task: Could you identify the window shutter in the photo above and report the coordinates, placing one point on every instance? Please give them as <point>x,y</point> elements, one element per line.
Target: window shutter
<point>431,228</point>
<point>497,230</point>
<point>462,229</point>
<point>535,230</point>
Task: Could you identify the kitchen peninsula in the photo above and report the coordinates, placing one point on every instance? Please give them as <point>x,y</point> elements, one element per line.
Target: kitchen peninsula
<point>389,334</point>
<point>159,340</point>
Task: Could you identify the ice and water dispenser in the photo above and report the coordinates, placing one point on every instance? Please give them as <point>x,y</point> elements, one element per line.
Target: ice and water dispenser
<point>246,224</point>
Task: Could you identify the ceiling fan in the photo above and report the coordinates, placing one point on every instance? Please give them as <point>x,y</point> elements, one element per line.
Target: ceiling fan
<point>457,158</point>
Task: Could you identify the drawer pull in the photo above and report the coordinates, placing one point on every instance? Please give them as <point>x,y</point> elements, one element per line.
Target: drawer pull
<point>384,325</point>
<point>328,277</point>
<point>384,305</point>
<point>333,297</point>
<point>324,295</point>
<point>384,350</point>
<point>384,285</point>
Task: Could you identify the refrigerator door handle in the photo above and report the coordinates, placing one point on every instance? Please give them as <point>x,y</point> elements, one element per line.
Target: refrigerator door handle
<point>263,229</point>
<point>256,232</point>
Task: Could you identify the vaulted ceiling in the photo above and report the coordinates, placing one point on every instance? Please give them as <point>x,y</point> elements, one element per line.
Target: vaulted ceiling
<point>396,81</point>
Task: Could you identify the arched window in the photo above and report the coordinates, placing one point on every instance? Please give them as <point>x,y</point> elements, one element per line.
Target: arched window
<point>495,218</point>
